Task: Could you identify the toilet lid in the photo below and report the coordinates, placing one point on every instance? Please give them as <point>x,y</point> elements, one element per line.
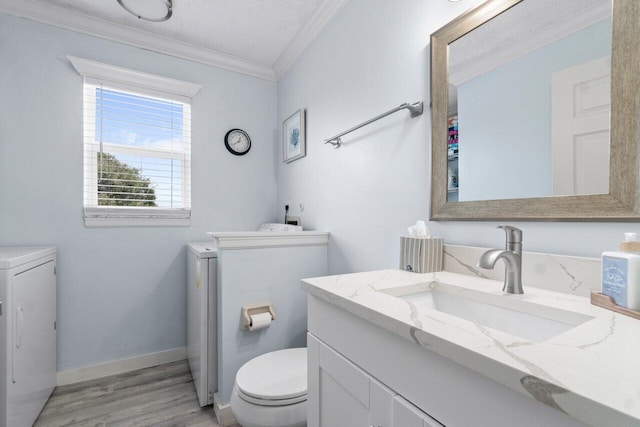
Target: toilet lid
<point>274,376</point>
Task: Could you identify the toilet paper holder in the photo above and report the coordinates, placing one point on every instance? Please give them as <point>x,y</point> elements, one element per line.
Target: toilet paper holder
<point>253,309</point>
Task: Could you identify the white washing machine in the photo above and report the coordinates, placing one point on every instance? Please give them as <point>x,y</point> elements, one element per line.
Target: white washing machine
<point>201,319</point>
<point>27,333</point>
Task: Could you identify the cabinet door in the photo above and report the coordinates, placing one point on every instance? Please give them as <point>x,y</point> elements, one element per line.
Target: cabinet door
<point>380,405</point>
<point>407,415</point>
<point>342,395</point>
<point>338,391</point>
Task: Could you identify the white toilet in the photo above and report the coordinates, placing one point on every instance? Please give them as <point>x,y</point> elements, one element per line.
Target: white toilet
<point>271,390</point>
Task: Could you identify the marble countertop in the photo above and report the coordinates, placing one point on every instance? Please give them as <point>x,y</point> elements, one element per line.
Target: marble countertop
<point>591,372</point>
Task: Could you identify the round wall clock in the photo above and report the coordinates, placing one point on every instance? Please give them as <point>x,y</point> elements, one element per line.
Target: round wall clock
<point>237,142</point>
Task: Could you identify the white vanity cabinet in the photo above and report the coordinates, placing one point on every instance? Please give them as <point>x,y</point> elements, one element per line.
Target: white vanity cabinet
<point>361,374</point>
<point>343,395</point>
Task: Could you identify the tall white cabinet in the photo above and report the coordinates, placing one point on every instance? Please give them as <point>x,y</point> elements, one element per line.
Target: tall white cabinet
<point>27,333</point>
<point>202,334</point>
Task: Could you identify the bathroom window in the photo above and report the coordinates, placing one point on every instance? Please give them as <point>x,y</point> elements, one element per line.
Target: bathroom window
<point>137,150</point>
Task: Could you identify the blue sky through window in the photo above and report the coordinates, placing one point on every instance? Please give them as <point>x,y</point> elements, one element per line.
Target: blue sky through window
<point>147,123</point>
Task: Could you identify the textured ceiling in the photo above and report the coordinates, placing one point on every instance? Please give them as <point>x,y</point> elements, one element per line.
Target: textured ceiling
<point>526,20</point>
<point>256,30</point>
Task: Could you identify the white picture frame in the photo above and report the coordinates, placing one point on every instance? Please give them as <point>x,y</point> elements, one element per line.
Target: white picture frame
<point>294,138</point>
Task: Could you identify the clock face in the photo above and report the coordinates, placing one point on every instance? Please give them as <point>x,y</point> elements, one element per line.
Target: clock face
<point>237,142</point>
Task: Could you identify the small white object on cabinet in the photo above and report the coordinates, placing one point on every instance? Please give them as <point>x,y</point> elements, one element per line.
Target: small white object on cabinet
<point>27,333</point>
<point>201,319</point>
<point>621,273</point>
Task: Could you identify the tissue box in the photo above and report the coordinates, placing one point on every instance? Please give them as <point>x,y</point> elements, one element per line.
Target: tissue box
<point>420,254</point>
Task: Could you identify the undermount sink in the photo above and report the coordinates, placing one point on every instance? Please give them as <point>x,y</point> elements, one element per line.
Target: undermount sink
<point>515,316</point>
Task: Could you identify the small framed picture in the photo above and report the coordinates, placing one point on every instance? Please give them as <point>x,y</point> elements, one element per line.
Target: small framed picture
<point>294,139</point>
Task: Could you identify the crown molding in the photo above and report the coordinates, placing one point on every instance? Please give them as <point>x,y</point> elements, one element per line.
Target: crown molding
<point>306,35</point>
<point>79,22</point>
<point>469,70</point>
<point>98,70</point>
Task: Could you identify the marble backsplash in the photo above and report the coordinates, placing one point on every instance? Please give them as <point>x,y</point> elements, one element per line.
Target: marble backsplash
<point>560,273</point>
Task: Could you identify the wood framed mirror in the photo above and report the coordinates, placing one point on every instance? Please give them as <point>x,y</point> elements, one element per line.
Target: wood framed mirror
<point>620,201</point>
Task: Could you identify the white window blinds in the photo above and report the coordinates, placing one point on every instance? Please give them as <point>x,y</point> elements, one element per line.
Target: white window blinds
<point>136,149</point>
<point>137,146</point>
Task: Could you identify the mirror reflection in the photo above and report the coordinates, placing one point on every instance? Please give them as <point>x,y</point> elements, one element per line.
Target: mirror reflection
<point>529,103</point>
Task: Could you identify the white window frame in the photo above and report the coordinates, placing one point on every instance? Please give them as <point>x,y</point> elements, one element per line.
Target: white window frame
<point>118,78</point>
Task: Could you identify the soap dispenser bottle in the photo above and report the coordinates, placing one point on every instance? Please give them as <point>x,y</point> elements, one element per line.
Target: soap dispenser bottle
<point>621,273</point>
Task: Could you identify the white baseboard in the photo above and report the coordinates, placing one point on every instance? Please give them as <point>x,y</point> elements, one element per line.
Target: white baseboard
<point>223,412</point>
<point>120,366</point>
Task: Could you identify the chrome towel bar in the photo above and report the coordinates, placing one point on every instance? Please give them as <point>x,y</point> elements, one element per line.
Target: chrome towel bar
<point>415,109</point>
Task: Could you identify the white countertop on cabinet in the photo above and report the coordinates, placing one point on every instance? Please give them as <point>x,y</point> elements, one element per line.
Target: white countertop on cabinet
<point>591,372</point>
<point>262,239</point>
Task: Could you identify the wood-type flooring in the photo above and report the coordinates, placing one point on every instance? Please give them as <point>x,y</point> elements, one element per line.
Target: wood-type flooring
<point>159,396</point>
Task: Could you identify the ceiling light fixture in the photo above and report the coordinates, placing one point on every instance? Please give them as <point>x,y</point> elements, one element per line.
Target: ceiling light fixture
<point>149,10</point>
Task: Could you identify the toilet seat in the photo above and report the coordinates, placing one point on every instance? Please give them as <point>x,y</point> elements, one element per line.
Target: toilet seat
<point>274,379</point>
<point>271,402</point>
<point>271,390</point>
<point>252,415</point>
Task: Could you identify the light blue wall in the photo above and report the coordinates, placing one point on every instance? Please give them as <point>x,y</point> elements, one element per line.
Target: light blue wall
<point>121,292</point>
<point>505,119</point>
<point>249,276</point>
<point>372,56</point>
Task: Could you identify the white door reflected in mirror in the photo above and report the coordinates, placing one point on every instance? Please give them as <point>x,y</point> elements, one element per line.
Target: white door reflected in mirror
<point>580,128</point>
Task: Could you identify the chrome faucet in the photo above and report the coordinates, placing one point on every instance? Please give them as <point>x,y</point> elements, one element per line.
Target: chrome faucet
<point>512,256</point>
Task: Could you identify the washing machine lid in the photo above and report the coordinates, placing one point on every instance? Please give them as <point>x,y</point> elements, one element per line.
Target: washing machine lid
<point>14,256</point>
<point>275,376</point>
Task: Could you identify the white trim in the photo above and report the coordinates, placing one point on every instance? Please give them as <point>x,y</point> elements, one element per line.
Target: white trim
<point>224,414</point>
<point>306,35</point>
<point>90,149</point>
<point>70,19</point>
<point>186,165</point>
<point>102,222</point>
<point>115,367</point>
<point>108,73</point>
<point>267,239</point>
<point>109,216</point>
<point>471,69</point>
